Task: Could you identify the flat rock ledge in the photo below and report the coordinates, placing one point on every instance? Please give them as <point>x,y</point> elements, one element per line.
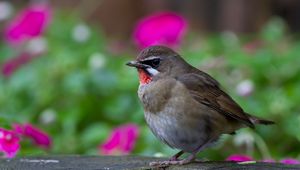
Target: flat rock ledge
<point>78,162</point>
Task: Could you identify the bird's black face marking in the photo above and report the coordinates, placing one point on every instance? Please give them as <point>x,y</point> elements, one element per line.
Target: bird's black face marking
<point>154,63</point>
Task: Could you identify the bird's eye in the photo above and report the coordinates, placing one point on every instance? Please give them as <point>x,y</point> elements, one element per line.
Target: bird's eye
<point>155,62</point>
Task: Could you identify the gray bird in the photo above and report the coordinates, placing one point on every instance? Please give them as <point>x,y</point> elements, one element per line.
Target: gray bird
<point>184,107</point>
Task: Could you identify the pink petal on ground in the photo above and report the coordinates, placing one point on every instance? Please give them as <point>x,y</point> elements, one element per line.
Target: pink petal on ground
<point>268,160</point>
<point>239,158</point>
<point>290,161</point>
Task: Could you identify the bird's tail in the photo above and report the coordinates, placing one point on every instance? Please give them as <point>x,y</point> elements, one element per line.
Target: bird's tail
<point>257,120</point>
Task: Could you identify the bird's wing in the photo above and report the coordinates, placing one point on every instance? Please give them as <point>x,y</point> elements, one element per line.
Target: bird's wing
<point>206,90</point>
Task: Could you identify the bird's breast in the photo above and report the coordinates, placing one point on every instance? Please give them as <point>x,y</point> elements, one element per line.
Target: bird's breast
<point>155,95</point>
<point>170,114</point>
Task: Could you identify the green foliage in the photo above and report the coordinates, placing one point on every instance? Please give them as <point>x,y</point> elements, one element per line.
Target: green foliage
<point>88,101</point>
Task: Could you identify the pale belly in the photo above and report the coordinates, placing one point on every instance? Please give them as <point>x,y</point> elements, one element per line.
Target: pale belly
<point>174,134</point>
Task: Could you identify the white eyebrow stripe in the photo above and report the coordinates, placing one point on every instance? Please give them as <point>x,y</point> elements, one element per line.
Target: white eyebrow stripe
<point>152,71</point>
<point>151,58</point>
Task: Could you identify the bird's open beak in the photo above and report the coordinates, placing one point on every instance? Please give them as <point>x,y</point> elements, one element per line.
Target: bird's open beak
<point>137,64</point>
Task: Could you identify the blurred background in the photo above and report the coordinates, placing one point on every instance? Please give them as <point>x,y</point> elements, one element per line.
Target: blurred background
<point>65,89</point>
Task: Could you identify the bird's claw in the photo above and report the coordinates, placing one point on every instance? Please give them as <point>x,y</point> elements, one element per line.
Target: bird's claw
<point>170,162</point>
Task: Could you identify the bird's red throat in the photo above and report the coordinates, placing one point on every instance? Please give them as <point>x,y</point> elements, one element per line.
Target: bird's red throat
<point>144,77</point>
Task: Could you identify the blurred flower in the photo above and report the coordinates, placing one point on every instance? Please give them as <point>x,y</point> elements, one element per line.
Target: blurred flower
<point>165,28</point>
<point>245,139</point>
<point>48,116</point>
<point>290,161</point>
<point>245,88</point>
<point>239,158</point>
<point>39,137</point>
<point>9,143</point>
<point>11,65</point>
<point>6,10</point>
<point>97,61</point>
<point>81,33</point>
<point>121,140</point>
<point>37,45</point>
<point>29,23</point>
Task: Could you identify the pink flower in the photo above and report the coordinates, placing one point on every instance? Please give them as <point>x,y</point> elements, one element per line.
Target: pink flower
<point>290,161</point>
<point>121,140</point>
<point>11,65</point>
<point>39,137</point>
<point>9,143</point>
<point>31,22</point>
<point>239,158</point>
<point>166,28</point>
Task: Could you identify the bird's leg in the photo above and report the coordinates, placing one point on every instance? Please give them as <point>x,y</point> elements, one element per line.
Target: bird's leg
<point>171,161</point>
<point>192,157</point>
<point>175,162</point>
<point>175,157</point>
<point>187,160</point>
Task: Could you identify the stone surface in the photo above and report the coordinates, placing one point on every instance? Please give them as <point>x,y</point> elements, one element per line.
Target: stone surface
<point>121,162</point>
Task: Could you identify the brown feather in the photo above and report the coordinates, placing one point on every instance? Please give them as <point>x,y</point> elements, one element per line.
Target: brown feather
<point>206,90</point>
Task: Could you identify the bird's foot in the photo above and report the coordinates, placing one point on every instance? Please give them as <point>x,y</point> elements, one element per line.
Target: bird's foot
<point>187,160</point>
<point>167,163</point>
<point>173,158</point>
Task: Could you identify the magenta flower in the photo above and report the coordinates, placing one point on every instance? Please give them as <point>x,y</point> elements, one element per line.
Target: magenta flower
<point>39,137</point>
<point>165,28</point>
<point>9,143</point>
<point>11,65</point>
<point>239,158</point>
<point>290,161</point>
<point>29,23</point>
<point>121,140</point>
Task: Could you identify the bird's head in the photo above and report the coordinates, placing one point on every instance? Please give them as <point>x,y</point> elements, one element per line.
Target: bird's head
<point>157,62</point>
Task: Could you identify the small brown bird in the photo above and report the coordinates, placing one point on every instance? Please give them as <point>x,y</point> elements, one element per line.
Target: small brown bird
<point>184,107</point>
